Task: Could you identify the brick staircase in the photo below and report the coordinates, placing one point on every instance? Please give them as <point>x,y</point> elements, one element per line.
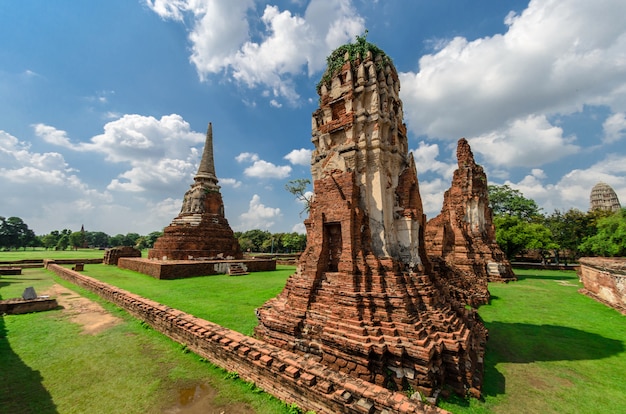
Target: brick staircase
<point>236,269</point>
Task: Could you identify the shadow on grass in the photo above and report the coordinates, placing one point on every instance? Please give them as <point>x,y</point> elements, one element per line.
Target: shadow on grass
<point>525,343</point>
<point>21,388</point>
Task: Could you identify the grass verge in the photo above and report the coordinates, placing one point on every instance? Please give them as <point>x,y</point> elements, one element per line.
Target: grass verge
<point>49,366</point>
<point>550,349</point>
<point>229,301</point>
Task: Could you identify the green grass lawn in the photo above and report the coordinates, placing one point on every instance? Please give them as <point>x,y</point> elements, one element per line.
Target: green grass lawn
<point>229,301</point>
<point>47,365</point>
<point>550,349</point>
<point>40,254</point>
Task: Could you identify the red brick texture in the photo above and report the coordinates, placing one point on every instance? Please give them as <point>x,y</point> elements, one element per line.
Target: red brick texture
<point>604,279</point>
<point>290,377</point>
<point>461,240</point>
<point>198,235</point>
<point>179,269</point>
<point>364,299</point>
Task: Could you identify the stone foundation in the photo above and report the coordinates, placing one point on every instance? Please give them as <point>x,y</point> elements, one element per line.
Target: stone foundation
<point>10,270</point>
<point>18,306</point>
<point>604,280</point>
<point>179,269</point>
<point>287,376</point>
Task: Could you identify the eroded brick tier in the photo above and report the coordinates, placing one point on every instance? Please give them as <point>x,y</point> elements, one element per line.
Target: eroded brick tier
<point>200,231</point>
<point>364,299</point>
<point>461,240</point>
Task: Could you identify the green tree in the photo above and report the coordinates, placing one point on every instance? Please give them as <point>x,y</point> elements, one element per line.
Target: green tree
<point>131,239</point>
<point>97,238</point>
<point>257,237</point>
<point>152,238</point>
<point>610,239</point>
<point>294,242</point>
<point>77,239</point>
<point>63,243</point>
<point>50,240</point>
<point>515,235</point>
<point>14,233</point>
<point>299,188</point>
<point>117,240</point>
<point>505,200</point>
<point>569,229</point>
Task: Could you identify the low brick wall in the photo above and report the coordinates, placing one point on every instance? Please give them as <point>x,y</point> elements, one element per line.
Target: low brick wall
<point>604,279</point>
<point>179,269</point>
<point>287,376</point>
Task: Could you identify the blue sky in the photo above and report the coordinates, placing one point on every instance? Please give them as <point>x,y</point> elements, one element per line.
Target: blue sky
<point>104,105</point>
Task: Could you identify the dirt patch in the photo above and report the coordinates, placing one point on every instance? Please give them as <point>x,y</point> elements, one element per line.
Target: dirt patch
<point>565,283</point>
<point>89,314</point>
<point>201,399</point>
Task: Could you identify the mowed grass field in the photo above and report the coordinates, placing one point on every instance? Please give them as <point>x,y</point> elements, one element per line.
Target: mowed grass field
<point>550,349</point>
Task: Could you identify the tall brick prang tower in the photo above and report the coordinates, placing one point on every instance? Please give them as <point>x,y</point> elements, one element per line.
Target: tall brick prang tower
<point>200,230</point>
<point>461,240</point>
<point>364,299</point>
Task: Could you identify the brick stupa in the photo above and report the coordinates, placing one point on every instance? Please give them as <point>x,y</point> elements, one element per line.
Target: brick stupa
<point>461,240</point>
<point>200,231</point>
<point>364,299</point>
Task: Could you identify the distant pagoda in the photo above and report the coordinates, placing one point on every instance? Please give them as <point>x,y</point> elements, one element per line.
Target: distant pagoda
<point>200,231</point>
<point>603,197</point>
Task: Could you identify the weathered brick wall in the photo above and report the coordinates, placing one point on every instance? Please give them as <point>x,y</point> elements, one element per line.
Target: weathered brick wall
<point>604,280</point>
<point>289,377</point>
<point>179,269</point>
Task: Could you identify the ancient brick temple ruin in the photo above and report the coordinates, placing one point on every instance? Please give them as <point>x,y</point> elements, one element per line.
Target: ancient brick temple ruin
<point>461,240</point>
<point>364,299</point>
<point>200,231</point>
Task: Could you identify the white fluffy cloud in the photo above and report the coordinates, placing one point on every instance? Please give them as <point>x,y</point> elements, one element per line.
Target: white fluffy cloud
<point>573,189</point>
<point>425,156</point>
<point>289,44</point>
<point>258,216</point>
<point>554,58</point>
<point>517,144</point>
<point>261,168</point>
<point>159,151</point>
<point>300,156</point>
<point>264,169</point>
<point>615,127</point>
<point>47,183</point>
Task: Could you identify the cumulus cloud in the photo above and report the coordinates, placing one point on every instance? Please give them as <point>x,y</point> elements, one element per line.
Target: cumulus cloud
<point>264,169</point>
<point>425,156</point>
<point>553,59</point>
<point>221,39</point>
<point>247,156</point>
<point>614,127</point>
<point>258,216</point>
<point>161,153</point>
<point>300,156</point>
<point>52,135</point>
<point>572,190</point>
<point>231,182</point>
<point>27,178</point>
<point>517,144</point>
<point>261,168</point>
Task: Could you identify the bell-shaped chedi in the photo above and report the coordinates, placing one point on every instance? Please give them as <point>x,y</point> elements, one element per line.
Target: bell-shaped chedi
<point>603,197</point>
<point>200,231</point>
<point>461,240</point>
<point>364,299</point>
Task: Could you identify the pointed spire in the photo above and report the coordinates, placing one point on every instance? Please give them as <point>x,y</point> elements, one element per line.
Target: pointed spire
<point>206,170</point>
